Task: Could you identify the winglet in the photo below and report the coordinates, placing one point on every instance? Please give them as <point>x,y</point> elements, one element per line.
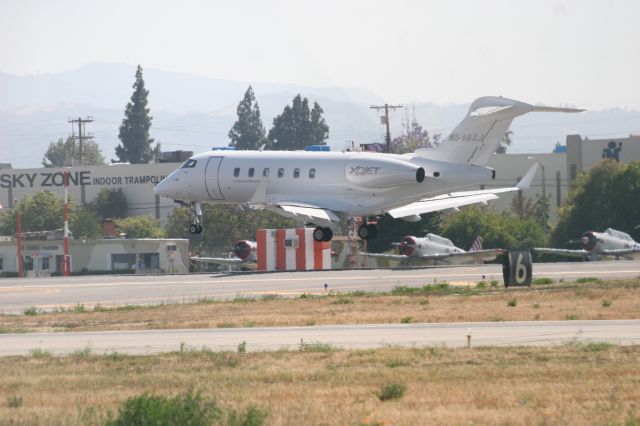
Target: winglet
<point>525,182</point>
<point>540,108</point>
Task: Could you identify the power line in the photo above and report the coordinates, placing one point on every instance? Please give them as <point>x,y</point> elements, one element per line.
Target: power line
<point>80,138</point>
<point>386,108</point>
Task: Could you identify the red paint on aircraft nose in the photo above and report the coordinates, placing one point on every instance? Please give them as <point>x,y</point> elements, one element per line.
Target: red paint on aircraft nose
<point>408,246</point>
<point>242,249</point>
<point>588,241</point>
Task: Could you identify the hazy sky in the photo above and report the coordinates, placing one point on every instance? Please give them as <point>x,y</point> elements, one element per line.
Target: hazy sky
<point>578,52</point>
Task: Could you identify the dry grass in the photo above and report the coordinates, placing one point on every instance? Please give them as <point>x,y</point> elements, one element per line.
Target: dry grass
<point>572,384</point>
<point>452,305</point>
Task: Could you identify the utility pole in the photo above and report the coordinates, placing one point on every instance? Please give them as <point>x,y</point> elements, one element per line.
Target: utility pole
<point>386,108</point>
<point>80,137</point>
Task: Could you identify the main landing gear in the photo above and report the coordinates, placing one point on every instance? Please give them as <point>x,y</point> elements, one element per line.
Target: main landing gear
<point>368,231</point>
<point>195,227</point>
<point>321,234</point>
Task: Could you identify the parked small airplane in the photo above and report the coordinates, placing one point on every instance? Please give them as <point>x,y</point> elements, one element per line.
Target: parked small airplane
<point>596,245</point>
<point>243,255</point>
<point>322,188</point>
<point>437,249</point>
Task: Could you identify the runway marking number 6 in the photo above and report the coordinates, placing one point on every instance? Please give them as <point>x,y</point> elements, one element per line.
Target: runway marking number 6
<point>521,270</point>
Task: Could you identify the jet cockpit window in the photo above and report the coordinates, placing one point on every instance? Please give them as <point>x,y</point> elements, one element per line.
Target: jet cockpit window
<point>296,173</point>
<point>265,172</point>
<point>280,172</point>
<point>190,163</point>
<point>312,173</point>
<point>251,172</point>
<point>236,172</point>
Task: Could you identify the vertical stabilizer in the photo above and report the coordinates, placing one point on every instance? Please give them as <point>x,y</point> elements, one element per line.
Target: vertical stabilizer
<point>477,244</point>
<point>481,131</point>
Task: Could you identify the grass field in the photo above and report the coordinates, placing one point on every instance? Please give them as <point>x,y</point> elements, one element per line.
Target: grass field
<point>571,384</point>
<point>587,300</point>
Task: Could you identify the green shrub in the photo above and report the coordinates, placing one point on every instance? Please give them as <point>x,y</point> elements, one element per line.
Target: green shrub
<point>242,347</point>
<point>252,416</point>
<point>187,409</point>
<point>481,284</point>
<point>392,391</point>
<point>316,347</point>
<point>406,320</point>
<point>31,311</point>
<point>395,363</point>
<point>589,280</point>
<point>39,353</point>
<point>606,303</point>
<point>512,303</point>
<point>14,401</point>
<point>542,281</point>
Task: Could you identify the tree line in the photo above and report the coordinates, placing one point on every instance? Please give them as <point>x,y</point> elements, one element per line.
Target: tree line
<point>298,126</point>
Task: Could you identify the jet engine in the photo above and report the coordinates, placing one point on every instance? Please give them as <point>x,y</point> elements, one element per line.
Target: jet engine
<point>244,249</point>
<point>371,172</point>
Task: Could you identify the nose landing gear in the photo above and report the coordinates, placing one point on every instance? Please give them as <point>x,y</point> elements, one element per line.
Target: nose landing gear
<point>195,227</point>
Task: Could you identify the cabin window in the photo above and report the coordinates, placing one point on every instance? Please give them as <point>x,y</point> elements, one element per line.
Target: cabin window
<point>280,172</point>
<point>190,163</point>
<point>296,173</point>
<point>251,172</point>
<point>265,172</point>
<point>312,173</point>
<point>236,172</point>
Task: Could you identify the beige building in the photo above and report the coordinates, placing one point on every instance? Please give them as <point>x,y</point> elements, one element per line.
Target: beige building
<point>135,180</point>
<point>558,170</point>
<point>43,257</point>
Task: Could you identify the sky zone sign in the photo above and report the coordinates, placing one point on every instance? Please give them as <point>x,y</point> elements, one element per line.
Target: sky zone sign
<point>78,178</point>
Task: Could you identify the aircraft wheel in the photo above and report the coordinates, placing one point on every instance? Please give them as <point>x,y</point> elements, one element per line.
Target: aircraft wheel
<point>195,229</point>
<point>367,232</point>
<point>318,234</point>
<point>328,234</point>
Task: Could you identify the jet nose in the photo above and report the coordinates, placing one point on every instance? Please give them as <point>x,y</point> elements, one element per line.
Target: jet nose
<point>166,188</point>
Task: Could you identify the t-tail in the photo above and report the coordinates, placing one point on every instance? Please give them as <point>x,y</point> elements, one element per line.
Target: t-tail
<point>480,133</point>
<point>477,244</point>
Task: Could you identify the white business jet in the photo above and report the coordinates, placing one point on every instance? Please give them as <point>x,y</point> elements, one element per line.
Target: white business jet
<point>323,188</point>
<point>436,249</point>
<point>596,245</point>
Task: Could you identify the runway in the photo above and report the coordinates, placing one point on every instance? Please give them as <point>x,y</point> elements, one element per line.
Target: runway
<point>49,293</point>
<point>517,333</point>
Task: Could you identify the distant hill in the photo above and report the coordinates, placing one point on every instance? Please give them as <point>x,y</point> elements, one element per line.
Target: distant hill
<point>194,113</point>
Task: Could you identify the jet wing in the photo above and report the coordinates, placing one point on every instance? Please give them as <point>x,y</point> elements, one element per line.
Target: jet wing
<point>488,254</point>
<point>228,261</point>
<point>619,252</point>
<point>458,199</point>
<point>563,252</point>
<point>400,257</point>
<point>310,212</point>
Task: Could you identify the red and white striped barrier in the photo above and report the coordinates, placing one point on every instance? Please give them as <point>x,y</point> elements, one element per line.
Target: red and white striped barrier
<point>291,250</point>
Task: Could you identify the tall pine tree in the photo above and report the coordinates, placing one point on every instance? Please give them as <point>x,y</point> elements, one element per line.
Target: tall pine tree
<point>134,130</point>
<point>297,127</point>
<point>248,131</point>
